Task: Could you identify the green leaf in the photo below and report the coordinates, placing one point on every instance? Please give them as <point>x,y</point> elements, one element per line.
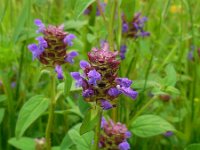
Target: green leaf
<point>2,111</point>
<point>66,142</point>
<point>2,98</point>
<point>68,84</point>
<point>21,20</point>
<point>90,120</point>
<point>150,125</point>
<point>195,146</point>
<point>72,24</point>
<point>170,79</point>
<point>82,142</point>
<point>30,111</point>
<point>81,6</point>
<point>172,90</point>
<point>24,143</point>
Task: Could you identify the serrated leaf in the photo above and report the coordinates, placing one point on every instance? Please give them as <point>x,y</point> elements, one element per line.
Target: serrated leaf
<point>24,143</point>
<point>30,111</point>
<point>81,6</point>
<point>90,120</point>
<point>150,125</point>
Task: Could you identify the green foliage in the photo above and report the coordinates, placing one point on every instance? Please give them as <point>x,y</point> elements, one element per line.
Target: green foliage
<point>30,111</point>
<point>80,6</point>
<point>150,125</point>
<point>90,120</point>
<point>195,146</point>
<point>23,143</point>
<point>77,141</point>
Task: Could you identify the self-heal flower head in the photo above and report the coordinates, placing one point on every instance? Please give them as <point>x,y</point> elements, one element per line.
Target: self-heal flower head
<point>52,46</point>
<point>114,135</point>
<point>100,76</point>
<point>135,28</point>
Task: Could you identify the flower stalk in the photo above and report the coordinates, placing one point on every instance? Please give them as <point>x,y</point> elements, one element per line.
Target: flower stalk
<point>51,112</point>
<point>98,129</point>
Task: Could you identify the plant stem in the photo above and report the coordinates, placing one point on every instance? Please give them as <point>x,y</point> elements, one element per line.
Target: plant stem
<point>98,129</point>
<point>51,112</point>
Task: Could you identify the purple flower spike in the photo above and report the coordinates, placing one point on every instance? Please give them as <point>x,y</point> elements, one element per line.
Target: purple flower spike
<point>36,51</point>
<point>40,25</point>
<point>59,72</point>
<point>125,27</point>
<point>93,76</point>
<point>78,78</point>
<point>124,82</point>
<point>129,92</point>
<point>84,64</point>
<point>70,57</point>
<point>124,146</point>
<point>114,92</point>
<point>88,93</point>
<point>106,105</point>
<point>68,39</point>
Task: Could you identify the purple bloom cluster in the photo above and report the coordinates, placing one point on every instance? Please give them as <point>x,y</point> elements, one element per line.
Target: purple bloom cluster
<point>99,78</point>
<point>114,135</point>
<point>52,46</point>
<point>135,28</point>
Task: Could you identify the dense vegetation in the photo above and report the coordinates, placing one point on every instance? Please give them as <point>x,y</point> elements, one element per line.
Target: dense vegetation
<point>112,74</point>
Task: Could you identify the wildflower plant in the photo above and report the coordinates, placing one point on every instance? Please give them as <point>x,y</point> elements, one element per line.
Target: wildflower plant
<point>100,82</point>
<point>51,51</point>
